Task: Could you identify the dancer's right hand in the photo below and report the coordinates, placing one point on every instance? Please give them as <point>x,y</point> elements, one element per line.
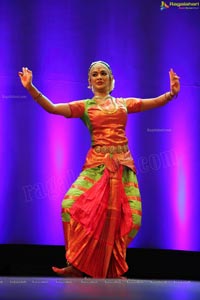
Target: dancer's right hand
<point>26,77</point>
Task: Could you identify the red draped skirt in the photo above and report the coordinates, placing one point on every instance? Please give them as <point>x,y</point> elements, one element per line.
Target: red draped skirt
<point>101,214</point>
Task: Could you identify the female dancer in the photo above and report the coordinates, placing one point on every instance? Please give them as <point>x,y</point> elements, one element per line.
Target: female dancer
<point>101,212</point>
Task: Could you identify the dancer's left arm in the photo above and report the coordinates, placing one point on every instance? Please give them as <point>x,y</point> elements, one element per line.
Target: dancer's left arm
<point>164,98</point>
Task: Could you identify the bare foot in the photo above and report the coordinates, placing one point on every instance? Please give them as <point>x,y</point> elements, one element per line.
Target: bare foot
<point>69,271</point>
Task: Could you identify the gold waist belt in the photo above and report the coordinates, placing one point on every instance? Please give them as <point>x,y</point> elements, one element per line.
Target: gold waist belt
<point>111,149</point>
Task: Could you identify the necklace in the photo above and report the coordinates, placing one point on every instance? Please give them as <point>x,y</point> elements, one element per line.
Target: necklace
<point>107,104</point>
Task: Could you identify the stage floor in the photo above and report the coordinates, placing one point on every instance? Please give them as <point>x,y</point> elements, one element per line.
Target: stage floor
<point>47,288</point>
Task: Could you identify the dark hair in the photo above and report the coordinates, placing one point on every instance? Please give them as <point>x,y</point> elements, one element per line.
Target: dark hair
<point>100,62</point>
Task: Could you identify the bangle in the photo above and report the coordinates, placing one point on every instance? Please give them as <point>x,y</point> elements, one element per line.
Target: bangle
<point>169,96</point>
<point>173,95</point>
<point>36,98</point>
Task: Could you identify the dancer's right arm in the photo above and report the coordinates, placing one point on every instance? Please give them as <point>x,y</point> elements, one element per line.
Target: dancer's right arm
<point>59,109</point>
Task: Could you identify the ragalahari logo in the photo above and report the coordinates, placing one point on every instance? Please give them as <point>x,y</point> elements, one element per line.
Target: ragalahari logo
<point>163,5</point>
<point>180,5</point>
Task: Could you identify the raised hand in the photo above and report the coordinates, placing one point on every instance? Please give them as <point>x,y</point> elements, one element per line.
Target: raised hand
<point>26,77</point>
<point>174,82</point>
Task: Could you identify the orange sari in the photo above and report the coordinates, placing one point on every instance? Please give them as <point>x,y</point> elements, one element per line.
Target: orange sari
<point>102,210</point>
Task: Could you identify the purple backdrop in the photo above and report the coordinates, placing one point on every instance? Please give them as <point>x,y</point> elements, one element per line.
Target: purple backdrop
<point>42,154</point>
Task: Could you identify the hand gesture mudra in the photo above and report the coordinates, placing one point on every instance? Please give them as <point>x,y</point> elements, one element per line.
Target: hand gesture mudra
<point>174,82</point>
<point>26,77</point>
